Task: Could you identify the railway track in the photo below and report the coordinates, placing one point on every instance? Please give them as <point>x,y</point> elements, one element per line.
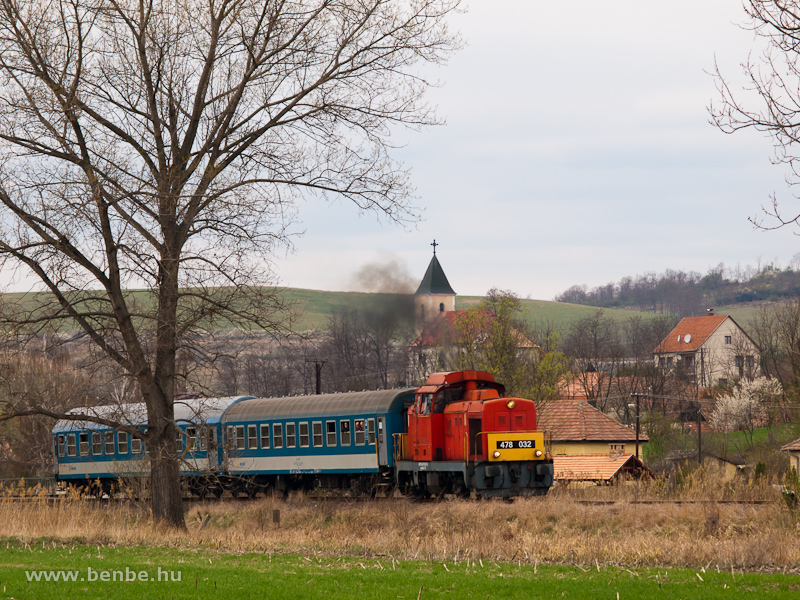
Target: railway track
<point>362,499</point>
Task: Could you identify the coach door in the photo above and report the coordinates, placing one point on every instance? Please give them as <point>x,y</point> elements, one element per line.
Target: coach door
<point>213,445</point>
<point>383,458</point>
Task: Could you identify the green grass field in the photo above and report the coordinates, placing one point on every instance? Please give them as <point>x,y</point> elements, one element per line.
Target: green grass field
<point>207,573</point>
<point>313,307</point>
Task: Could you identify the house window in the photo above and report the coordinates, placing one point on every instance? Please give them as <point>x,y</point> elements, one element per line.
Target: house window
<point>688,361</point>
<point>669,362</point>
<point>749,362</point>
<point>345,428</point>
<point>727,339</point>
<point>738,361</point>
<point>441,306</point>
<point>661,362</point>
<point>277,435</point>
<point>264,436</point>
<point>331,431</point>
<point>616,447</point>
<point>304,435</point>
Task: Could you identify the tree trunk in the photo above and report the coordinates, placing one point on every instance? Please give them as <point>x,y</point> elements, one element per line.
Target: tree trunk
<point>165,481</point>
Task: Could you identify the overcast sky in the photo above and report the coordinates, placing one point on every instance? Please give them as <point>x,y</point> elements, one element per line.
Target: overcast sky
<point>577,150</point>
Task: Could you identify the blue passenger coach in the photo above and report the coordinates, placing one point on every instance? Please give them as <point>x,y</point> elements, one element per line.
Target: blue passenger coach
<point>89,453</point>
<point>327,440</point>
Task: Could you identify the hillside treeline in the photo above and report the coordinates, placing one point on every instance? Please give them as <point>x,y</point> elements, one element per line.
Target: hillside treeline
<point>685,294</point>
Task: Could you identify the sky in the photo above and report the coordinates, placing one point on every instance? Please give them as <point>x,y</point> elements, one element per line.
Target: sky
<point>577,149</point>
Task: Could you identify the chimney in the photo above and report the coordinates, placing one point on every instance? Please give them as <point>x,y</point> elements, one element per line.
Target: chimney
<point>710,312</point>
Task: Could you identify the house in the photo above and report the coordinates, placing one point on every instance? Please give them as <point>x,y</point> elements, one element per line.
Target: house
<point>728,469</point>
<point>576,428</point>
<point>598,469</point>
<point>710,350</point>
<point>793,448</point>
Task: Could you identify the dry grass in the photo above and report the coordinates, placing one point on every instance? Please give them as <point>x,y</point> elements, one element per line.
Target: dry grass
<point>557,529</point>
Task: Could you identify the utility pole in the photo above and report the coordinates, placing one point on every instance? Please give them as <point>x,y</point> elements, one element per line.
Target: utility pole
<point>318,364</point>
<point>636,397</point>
<point>699,435</point>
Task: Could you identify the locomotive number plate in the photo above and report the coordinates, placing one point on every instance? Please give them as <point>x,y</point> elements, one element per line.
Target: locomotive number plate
<point>515,444</point>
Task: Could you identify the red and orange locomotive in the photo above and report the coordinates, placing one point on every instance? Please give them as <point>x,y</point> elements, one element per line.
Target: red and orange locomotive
<point>464,435</point>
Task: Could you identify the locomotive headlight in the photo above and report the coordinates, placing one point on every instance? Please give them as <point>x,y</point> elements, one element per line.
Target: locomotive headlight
<point>496,454</point>
<point>538,453</point>
<point>510,404</point>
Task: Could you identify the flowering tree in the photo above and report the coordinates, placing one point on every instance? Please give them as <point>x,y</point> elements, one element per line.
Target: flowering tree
<point>746,407</point>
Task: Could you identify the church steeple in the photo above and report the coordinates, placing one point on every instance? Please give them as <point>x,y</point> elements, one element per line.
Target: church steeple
<point>434,294</point>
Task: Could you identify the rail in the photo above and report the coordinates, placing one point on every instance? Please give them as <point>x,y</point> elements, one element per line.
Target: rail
<point>22,485</point>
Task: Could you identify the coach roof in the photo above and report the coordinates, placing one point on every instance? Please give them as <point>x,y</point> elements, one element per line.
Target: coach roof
<point>195,410</point>
<point>322,405</point>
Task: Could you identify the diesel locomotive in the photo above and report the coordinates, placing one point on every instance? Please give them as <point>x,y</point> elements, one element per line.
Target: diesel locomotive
<point>458,433</point>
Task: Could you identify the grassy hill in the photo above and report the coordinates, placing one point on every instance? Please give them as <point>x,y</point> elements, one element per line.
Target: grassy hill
<point>314,307</point>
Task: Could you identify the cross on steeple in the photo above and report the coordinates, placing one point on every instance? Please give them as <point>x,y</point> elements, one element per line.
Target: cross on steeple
<point>434,244</point>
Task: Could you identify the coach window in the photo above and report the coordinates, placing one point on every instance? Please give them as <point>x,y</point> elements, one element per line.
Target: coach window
<point>277,435</point>
<point>122,442</point>
<point>191,438</point>
<point>136,445</point>
<point>97,443</point>
<point>345,428</point>
<point>359,432</point>
<point>371,431</point>
<point>330,427</point>
<point>264,437</point>
<point>316,427</point>
<point>240,437</point>
<point>84,443</point>
<point>109,439</point>
<point>202,442</point>
<point>304,435</point>
<point>61,445</point>
<point>71,444</point>
<point>290,435</point>
<point>230,441</point>
<point>252,437</point>
<point>179,440</point>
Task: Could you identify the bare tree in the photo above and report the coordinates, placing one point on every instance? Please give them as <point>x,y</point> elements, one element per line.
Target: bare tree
<point>160,144</point>
<point>770,101</point>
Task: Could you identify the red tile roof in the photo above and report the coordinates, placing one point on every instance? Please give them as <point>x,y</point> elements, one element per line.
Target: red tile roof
<point>578,421</point>
<point>596,467</point>
<point>792,446</point>
<point>697,328</point>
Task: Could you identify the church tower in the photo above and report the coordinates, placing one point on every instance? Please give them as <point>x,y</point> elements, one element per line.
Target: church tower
<point>434,295</point>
